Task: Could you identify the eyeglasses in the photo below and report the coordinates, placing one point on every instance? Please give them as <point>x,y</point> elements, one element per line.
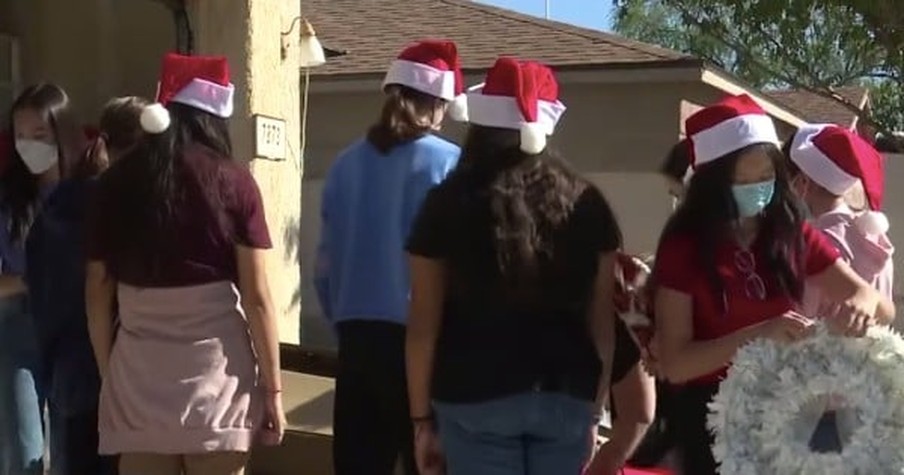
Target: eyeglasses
<point>754,286</point>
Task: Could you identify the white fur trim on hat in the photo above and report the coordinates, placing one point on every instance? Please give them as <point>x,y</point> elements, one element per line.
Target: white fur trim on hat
<point>503,112</point>
<point>207,96</point>
<point>458,108</point>
<point>872,223</point>
<point>818,166</point>
<point>421,77</point>
<point>533,138</point>
<point>154,119</point>
<point>731,135</point>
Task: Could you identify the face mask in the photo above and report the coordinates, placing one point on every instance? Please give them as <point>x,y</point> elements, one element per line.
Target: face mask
<point>752,199</point>
<point>38,156</point>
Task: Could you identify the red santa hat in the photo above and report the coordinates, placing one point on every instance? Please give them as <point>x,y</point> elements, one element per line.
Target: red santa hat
<point>201,82</point>
<point>727,126</point>
<point>837,160</point>
<point>518,95</point>
<point>432,67</point>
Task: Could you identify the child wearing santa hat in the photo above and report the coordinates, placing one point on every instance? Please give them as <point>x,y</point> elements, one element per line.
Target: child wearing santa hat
<point>733,261</point>
<point>370,197</point>
<point>840,178</point>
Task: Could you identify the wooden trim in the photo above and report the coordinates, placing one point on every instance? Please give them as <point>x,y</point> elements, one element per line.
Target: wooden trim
<point>725,82</point>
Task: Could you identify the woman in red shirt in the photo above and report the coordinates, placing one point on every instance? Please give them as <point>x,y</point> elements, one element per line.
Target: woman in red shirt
<point>732,263</point>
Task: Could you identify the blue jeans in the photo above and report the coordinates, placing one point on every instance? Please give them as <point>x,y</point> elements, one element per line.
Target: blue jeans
<point>21,425</point>
<point>531,433</point>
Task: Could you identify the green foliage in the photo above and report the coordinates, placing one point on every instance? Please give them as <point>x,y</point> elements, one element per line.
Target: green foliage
<point>810,44</point>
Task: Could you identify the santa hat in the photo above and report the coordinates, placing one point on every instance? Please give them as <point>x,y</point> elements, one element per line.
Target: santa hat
<point>727,126</point>
<point>837,160</point>
<point>432,67</point>
<point>201,82</point>
<point>521,96</point>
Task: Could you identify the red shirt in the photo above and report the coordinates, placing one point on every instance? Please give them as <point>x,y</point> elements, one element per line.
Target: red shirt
<point>678,267</point>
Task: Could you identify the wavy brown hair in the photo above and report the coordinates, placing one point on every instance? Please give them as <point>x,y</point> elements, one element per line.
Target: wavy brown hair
<point>531,197</point>
<point>407,115</point>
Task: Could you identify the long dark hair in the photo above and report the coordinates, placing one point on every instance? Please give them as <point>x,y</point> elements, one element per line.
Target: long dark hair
<point>676,162</point>
<point>138,197</point>
<point>18,186</point>
<point>530,197</point>
<point>407,115</point>
<point>708,212</point>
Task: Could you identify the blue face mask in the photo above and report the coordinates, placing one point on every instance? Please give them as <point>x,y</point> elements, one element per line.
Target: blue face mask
<point>752,199</point>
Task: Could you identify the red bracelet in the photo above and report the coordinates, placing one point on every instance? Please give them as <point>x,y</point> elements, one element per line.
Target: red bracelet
<point>273,391</point>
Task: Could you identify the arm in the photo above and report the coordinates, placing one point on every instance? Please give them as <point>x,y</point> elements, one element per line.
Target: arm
<point>100,292</point>
<point>841,284</point>
<point>682,358</point>
<point>635,399</point>
<point>322,276</point>
<point>322,259</point>
<point>255,293</point>
<point>602,322</point>
<point>424,320</point>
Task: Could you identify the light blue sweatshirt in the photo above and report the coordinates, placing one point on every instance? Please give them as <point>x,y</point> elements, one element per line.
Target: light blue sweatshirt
<point>369,204</point>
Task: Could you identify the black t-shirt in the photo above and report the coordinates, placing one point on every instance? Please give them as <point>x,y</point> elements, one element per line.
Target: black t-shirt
<point>488,348</point>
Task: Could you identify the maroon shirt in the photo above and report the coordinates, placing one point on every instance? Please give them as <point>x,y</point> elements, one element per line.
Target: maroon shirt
<point>202,254</point>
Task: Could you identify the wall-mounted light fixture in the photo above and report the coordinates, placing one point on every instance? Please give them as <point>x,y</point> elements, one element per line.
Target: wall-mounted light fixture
<point>310,51</point>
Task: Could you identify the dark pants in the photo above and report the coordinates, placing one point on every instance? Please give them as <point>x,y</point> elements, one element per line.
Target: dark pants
<point>694,438</point>
<point>73,446</point>
<point>371,424</point>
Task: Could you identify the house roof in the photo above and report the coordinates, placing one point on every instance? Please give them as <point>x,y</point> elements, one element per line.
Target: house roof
<point>815,108</point>
<point>372,32</point>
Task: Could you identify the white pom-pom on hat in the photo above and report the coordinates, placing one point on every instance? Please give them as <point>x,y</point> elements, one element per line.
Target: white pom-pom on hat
<point>533,138</point>
<point>872,223</point>
<point>155,119</point>
<point>458,108</point>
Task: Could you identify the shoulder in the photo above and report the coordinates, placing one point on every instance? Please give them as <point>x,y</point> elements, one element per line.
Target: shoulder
<point>353,152</point>
<point>438,143</point>
<point>439,150</point>
<point>675,250</point>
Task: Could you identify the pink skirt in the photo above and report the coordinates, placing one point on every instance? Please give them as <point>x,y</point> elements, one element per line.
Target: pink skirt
<point>182,376</point>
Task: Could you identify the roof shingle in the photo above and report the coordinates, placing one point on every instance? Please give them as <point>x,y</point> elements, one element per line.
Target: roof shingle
<point>815,108</point>
<point>372,32</point>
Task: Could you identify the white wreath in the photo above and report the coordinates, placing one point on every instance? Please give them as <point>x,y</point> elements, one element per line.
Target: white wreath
<point>774,394</point>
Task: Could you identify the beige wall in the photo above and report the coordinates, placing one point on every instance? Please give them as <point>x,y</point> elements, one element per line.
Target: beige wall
<point>95,49</point>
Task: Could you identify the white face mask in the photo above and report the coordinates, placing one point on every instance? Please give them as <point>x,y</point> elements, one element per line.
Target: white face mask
<point>38,156</point>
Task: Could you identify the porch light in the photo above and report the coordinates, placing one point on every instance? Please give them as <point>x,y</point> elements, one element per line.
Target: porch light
<point>310,51</point>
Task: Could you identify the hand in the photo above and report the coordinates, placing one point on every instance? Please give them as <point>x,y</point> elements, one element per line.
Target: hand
<point>428,452</point>
<point>853,316</point>
<point>274,420</point>
<point>604,463</point>
<point>787,327</point>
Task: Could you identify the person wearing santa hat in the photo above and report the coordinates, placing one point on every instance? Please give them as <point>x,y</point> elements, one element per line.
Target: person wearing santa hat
<point>370,196</point>
<point>176,251</point>
<point>840,177</point>
<point>733,261</point>
<point>512,309</point>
